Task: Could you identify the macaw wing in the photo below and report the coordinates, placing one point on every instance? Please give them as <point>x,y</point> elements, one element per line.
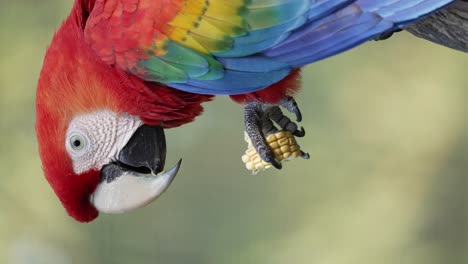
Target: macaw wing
<point>236,46</point>
<point>181,42</point>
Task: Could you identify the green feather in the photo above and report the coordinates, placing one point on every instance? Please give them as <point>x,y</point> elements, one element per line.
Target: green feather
<point>180,64</point>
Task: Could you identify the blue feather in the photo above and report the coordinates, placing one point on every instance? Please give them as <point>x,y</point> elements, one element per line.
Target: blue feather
<point>348,27</point>
<point>261,39</point>
<point>253,64</point>
<point>234,82</point>
<point>267,14</point>
<point>322,8</point>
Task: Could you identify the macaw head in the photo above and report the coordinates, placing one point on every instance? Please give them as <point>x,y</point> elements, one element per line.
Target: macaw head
<point>100,130</point>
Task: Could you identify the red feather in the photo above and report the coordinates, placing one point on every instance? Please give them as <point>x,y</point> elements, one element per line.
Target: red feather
<point>132,26</point>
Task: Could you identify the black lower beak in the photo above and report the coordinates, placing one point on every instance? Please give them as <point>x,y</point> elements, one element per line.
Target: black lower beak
<point>146,150</point>
<point>144,153</point>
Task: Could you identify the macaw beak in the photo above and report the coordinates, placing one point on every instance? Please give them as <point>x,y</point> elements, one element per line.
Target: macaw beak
<point>136,178</point>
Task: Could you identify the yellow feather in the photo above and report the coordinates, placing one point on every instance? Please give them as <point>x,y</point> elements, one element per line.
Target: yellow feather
<point>233,26</point>
<point>207,25</point>
<point>217,10</point>
<point>205,28</point>
<point>213,45</point>
<point>195,7</point>
<point>181,36</point>
<point>184,20</point>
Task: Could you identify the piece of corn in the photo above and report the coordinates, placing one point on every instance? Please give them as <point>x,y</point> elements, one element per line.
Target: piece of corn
<point>283,144</point>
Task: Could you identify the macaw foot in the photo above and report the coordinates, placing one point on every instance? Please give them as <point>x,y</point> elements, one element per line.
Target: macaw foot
<point>386,35</point>
<point>259,118</point>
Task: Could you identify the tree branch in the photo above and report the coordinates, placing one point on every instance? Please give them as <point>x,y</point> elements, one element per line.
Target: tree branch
<point>448,27</point>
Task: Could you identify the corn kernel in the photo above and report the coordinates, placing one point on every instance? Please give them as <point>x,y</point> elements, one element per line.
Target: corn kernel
<point>271,138</point>
<point>284,147</point>
<point>278,151</point>
<point>274,145</point>
<point>283,141</point>
<point>281,134</point>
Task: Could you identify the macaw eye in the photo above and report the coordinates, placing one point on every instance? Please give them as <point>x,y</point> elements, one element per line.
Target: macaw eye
<point>77,142</point>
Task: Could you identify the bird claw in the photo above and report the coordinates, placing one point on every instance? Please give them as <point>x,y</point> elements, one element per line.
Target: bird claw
<point>290,104</point>
<point>275,163</point>
<point>299,133</point>
<point>259,120</point>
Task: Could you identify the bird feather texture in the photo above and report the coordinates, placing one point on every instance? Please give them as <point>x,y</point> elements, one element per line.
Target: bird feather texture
<point>238,46</point>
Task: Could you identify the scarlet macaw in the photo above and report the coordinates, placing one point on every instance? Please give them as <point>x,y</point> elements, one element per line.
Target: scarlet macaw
<point>119,71</point>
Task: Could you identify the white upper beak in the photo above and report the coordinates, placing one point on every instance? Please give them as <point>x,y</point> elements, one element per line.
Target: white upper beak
<point>131,190</point>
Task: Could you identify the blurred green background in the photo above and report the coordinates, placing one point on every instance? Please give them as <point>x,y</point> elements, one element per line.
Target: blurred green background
<point>386,183</point>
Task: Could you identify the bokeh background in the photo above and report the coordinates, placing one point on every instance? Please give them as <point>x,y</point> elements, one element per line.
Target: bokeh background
<point>386,183</point>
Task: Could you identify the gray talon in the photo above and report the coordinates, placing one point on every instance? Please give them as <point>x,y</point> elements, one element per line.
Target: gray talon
<point>305,155</point>
<point>290,104</point>
<point>298,115</point>
<point>270,158</point>
<point>283,121</point>
<point>299,133</point>
<point>276,164</point>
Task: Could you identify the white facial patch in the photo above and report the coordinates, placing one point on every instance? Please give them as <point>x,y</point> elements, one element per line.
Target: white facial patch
<point>95,139</point>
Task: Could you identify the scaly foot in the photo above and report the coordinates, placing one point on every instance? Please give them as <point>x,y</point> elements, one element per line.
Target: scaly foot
<point>259,120</point>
